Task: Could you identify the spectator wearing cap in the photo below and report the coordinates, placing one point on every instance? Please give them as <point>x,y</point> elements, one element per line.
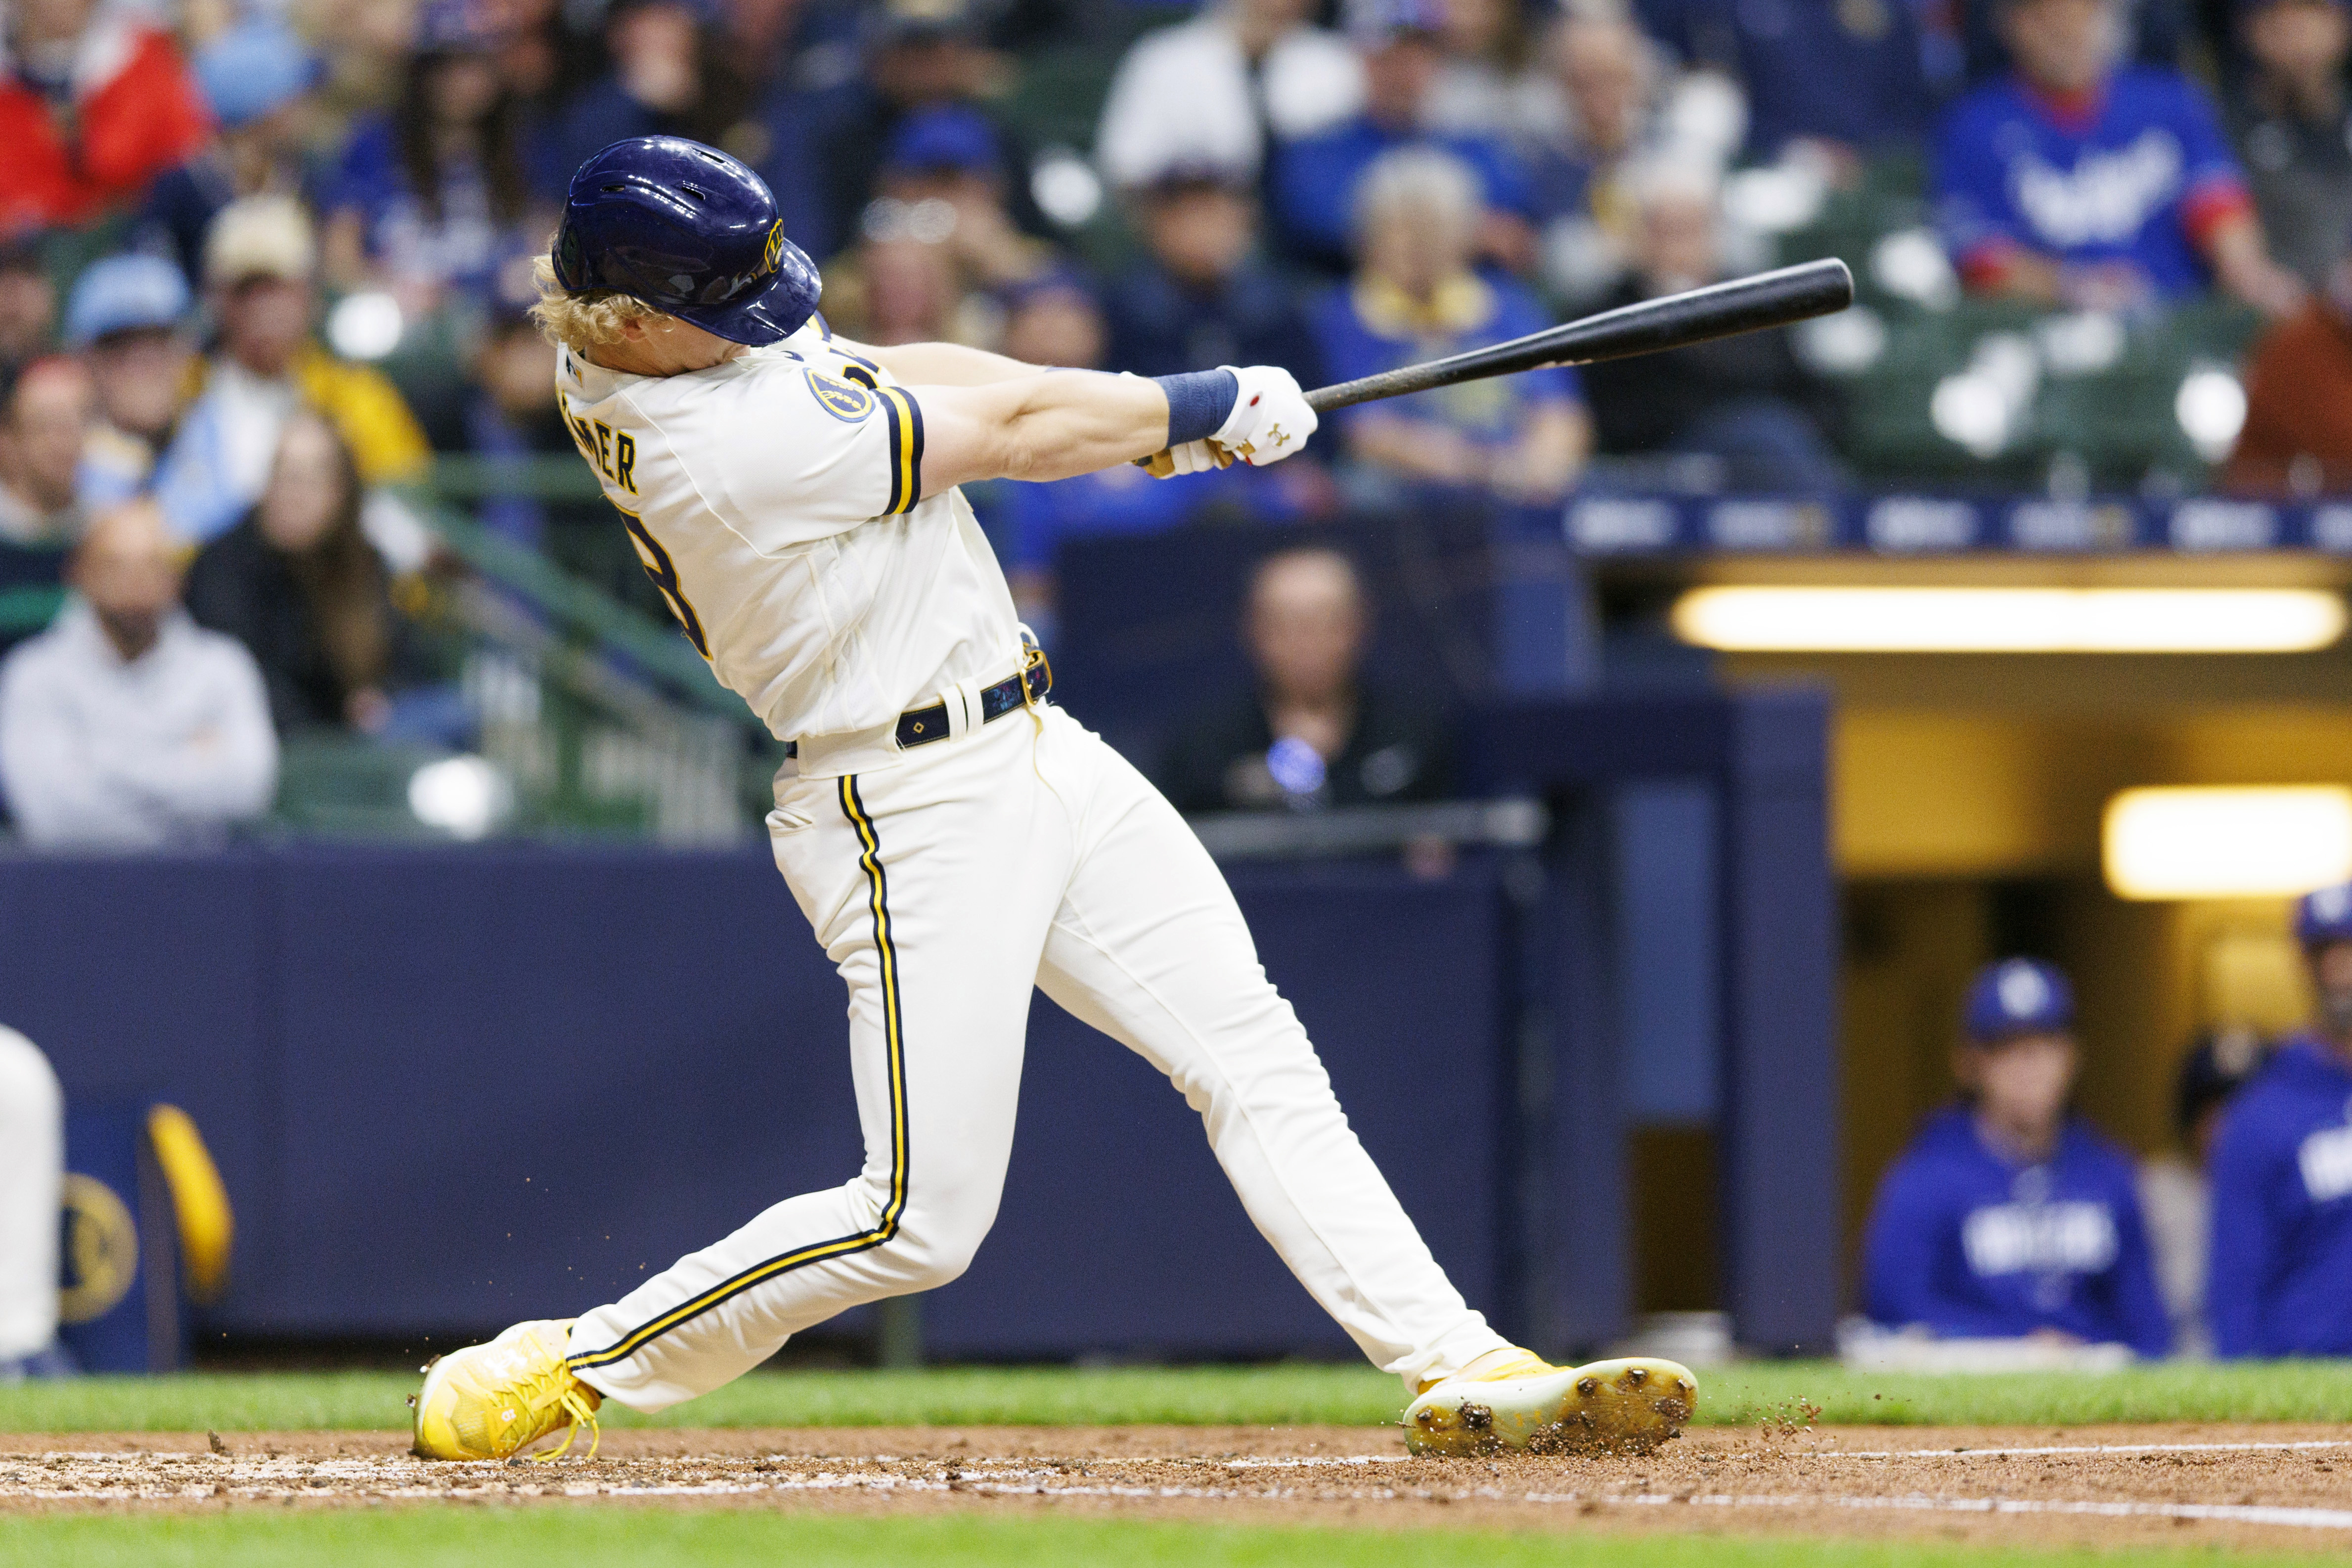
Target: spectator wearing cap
<point>258,78</point>
<point>950,157</point>
<point>126,725</point>
<point>2291,120</point>
<point>936,246</point>
<point>1841,79</point>
<point>1742,403</point>
<point>919,54</point>
<point>28,303</point>
<point>50,415</point>
<point>1314,729</point>
<point>2281,1280</point>
<point>1522,438</point>
<point>1313,191</point>
<point>2175,1189</point>
<point>94,103</point>
<point>260,261</point>
<point>1221,90</point>
<point>435,198</point>
<point>2073,182</point>
<point>2008,1217</point>
<point>1203,295</point>
<point>128,320</point>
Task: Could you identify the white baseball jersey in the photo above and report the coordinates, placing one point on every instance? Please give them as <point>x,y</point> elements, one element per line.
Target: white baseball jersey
<point>777,501</point>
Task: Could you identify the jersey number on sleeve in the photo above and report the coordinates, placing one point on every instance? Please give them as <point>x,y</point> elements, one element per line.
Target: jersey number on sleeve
<point>664,572</point>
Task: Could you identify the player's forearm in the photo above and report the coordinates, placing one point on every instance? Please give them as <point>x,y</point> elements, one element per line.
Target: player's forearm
<point>944,364</point>
<point>1051,426</point>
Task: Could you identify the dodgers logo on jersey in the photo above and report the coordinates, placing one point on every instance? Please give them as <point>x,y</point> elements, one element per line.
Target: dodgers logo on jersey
<point>842,399</point>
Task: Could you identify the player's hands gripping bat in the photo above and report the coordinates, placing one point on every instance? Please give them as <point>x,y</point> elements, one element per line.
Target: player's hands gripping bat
<point>1672,322</point>
<point>1271,419</point>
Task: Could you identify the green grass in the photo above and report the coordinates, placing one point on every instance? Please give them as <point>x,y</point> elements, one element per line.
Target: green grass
<point>1271,1396</point>
<point>658,1538</point>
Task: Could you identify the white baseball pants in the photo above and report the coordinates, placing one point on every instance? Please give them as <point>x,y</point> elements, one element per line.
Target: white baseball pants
<point>1025,853</point>
<point>32,1180</point>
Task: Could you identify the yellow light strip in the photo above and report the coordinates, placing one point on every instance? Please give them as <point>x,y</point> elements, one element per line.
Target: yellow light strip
<point>2227,843</point>
<point>2008,620</point>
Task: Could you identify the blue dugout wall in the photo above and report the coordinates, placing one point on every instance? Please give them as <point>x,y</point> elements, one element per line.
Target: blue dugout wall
<point>448,1089</point>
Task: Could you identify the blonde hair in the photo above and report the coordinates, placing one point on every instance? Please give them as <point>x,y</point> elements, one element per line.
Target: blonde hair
<point>580,322</point>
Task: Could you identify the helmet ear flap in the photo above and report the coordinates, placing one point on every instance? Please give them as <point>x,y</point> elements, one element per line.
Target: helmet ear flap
<point>571,269</point>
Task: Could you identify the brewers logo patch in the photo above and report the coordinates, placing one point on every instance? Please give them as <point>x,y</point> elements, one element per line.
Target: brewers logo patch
<point>842,399</point>
<point>100,1250</point>
<point>775,247</point>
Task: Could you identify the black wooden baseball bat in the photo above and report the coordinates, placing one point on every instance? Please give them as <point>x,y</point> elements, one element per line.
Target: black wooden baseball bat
<point>1671,321</point>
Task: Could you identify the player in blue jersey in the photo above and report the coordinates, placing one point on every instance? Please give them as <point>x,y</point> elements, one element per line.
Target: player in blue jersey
<point>2007,1219</point>
<point>2074,182</point>
<point>2281,1271</point>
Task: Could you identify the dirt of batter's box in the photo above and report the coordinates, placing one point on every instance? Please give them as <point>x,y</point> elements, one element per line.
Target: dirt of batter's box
<point>2284,1488</point>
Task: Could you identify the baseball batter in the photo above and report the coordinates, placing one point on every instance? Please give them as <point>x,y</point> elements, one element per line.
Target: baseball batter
<point>953,839</point>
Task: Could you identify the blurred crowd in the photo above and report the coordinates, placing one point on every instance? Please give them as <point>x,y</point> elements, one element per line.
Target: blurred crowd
<point>261,260</point>
<point>2010,1224</point>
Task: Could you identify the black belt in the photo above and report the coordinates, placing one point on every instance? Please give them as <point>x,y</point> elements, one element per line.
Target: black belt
<point>921,726</point>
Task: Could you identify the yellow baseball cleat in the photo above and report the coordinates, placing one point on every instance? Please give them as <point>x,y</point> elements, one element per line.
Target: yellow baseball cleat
<point>1514,1399</point>
<point>492,1401</point>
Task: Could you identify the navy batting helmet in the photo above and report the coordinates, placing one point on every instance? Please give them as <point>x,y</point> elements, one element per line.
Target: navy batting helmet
<point>2017,997</point>
<point>688,230</point>
<point>2325,916</point>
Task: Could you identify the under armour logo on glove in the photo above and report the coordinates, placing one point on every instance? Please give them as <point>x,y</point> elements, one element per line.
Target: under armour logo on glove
<point>1271,418</point>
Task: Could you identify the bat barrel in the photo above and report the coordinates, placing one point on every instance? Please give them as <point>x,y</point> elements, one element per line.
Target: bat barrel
<point>1677,320</point>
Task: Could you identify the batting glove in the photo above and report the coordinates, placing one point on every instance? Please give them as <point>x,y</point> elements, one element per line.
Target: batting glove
<point>1192,458</point>
<point>1270,419</point>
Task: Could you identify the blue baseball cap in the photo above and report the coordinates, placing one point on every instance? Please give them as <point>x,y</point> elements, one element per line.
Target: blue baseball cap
<point>124,293</point>
<point>254,69</point>
<point>2017,997</point>
<point>2325,916</point>
<point>954,138</point>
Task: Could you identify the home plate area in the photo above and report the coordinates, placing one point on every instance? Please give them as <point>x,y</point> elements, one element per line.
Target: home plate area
<point>2272,1486</point>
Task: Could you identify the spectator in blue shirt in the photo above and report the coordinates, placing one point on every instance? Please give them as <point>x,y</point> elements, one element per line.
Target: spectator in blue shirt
<point>1523,437</point>
<point>2073,182</point>
<point>1844,76</point>
<point>1202,295</point>
<point>436,196</point>
<point>2007,1219</point>
<point>1314,179</point>
<point>2282,1245</point>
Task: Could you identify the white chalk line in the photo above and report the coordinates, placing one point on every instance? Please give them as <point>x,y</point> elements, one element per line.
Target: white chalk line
<point>2075,1449</point>
<point>2233,1513</point>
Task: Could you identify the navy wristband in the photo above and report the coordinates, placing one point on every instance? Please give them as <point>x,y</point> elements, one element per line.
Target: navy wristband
<point>1199,403</point>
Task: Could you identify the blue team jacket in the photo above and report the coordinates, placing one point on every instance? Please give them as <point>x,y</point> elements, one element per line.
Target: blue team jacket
<point>1973,1245</point>
<point>2282,1279</point>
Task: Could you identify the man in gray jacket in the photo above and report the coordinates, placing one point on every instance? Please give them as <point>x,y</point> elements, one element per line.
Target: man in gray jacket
<point>125,725</point>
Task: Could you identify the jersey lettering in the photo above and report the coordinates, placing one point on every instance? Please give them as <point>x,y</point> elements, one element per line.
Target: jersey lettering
<point>624,462</point>
<point>603,448</point>
<point>2326,1159</point>
<point>2041,1238</point>
<point>664,572</point>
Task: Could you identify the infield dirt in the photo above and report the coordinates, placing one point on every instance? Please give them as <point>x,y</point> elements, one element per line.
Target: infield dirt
<point>2275,1487</point>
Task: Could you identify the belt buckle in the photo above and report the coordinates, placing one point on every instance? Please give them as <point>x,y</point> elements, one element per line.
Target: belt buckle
<point>1033,657</point>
